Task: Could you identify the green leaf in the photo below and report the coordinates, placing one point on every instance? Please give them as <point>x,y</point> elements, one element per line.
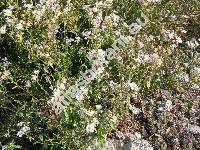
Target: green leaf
<point>41,137</point>
<point>17,146</point>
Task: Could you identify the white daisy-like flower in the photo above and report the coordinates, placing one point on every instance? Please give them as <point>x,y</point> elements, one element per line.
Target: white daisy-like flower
<point>192,43</point>
<point>98,107</point>
<point>193,128</point>
<point>90,112</point>
<point>147,58</point>
<point>81,94</point>
<point>87,34</point>
<point>183,76</point>
<point>29,6</point>
<point>28,83</point>
<point>135,110</point>
<point>116,17</point>
<point>62,86</point>
<point>7,12</point>
<point>113,85</point>
<point>5,75</point>
<point>90,54</point>
<point>133,86</point>
<point>168,105</point>
<point>178,40</point>
<point>138,135</point>
<point>95,121</point>
<point>19,26</point>
<point>195,72</point>
<point>119,135</point>
<point>3,29</point>
<point>160,109</point>
<point>36,72</point>
<point>56,92</point>
<point>90,128</point>
<point>21,124</point>
<point>23,131</point>
<point>47,78</point>
<point>195,86</point>
<point>141,45</point>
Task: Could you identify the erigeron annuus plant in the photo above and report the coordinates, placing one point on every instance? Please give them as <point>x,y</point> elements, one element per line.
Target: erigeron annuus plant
<point>98,58</point>
<point>55,41</point>
<point>45,18</point>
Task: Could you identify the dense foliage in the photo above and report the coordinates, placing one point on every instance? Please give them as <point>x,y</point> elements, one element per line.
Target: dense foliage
<point>151,88</point>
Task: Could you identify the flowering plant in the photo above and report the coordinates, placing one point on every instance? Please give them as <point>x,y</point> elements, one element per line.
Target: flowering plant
<point>75,74</point>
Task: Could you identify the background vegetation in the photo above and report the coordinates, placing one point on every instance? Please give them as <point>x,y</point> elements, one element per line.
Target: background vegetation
<point>152,88</point>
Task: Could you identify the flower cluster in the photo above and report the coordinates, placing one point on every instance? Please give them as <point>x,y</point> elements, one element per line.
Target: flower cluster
<point>87,69</point>
<point>100,59</point>
<point>90,128</point>
<point>5,73</point>
<point>148,58</point>
<point>24,129</point>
